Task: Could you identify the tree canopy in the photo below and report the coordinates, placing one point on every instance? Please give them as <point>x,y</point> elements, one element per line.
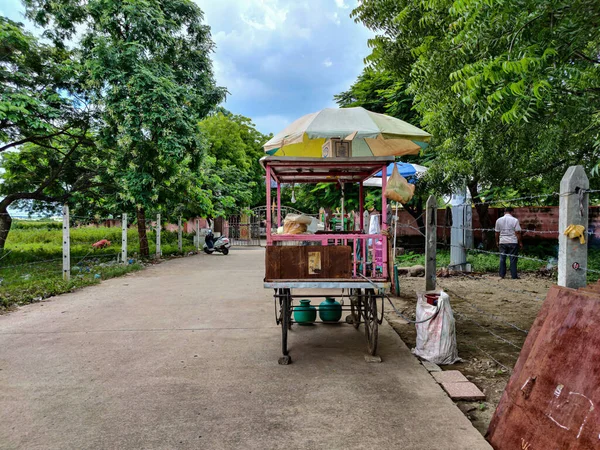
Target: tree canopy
<point>148,67</point>
<point>507,89</point>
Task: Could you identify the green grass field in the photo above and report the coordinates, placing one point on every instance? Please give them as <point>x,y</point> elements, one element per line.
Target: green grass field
<point>31,264</point>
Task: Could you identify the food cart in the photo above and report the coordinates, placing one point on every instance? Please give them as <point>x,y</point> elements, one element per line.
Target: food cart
<point>352,261</point>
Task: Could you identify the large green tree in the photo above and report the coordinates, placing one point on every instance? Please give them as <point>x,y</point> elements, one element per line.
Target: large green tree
<point>147,65</point>
<point>234,147</point>
<point>495,84</point>
<point>46,125</point>
<point>40,93</point>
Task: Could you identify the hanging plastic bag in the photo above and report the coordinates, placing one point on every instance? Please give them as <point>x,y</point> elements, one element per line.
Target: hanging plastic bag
<point>397,188</point>
<point>436,338</point>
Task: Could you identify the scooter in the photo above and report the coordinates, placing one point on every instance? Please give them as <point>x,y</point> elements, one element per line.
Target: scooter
<point>221,245</point>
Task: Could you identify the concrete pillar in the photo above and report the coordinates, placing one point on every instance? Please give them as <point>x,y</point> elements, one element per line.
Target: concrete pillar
<point>430,243</point>
<point>66,241</point>
<point>124,238</point>
<point>179,236</point>
<point>458,254</point>
<point>158,228</point>
<point>573,210</point>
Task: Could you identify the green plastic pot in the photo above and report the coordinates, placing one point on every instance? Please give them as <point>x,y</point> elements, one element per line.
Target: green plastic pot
<point>330,310</point>
<point>305,314</point>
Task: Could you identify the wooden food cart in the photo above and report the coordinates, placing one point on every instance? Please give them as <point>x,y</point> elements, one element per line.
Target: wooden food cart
<point>352,261</point>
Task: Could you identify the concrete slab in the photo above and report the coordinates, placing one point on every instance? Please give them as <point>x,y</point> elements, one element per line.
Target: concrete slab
<point>463,391</point>
<point>449,376</point>
<point>431,367</point>
<point>184,356</point>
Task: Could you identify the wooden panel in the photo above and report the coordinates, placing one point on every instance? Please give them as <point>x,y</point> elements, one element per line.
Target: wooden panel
<point>339,262</point>
<point>291,262</point>
<point>272,263</point>
<point>552,398</point>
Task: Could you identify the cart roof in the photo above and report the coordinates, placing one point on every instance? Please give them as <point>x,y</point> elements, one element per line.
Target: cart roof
<point>289,169</point>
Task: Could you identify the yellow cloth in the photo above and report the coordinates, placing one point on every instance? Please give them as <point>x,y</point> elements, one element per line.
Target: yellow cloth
<point>575,231</point>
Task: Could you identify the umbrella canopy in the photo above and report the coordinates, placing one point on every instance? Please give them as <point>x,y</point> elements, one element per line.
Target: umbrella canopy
<point>407,170</point>
<point>372,134</point>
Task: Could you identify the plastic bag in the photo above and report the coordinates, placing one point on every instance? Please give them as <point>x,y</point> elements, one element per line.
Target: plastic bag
<point>397,188</point>
<point>436,338</point>
<point>296,223</point>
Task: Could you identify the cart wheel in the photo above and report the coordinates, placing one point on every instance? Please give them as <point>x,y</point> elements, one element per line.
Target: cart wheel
<point>371,323</point>
<point>355,308</point>
<point>286,313</point>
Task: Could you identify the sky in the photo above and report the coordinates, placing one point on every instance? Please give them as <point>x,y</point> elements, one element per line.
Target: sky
<point>279,59</point>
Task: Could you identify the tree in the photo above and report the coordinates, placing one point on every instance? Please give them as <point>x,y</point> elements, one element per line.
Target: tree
<point>384,91</point>
<point>40,96</point>
<point>147,65</point>
<point>45,124</point>
<point>479,72</point>
<point>235,175</point>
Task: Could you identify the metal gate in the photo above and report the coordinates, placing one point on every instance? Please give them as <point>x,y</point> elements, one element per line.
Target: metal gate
<point>249,228</point>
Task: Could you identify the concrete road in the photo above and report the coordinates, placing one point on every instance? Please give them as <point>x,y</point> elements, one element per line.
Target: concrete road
<point>184,355</point>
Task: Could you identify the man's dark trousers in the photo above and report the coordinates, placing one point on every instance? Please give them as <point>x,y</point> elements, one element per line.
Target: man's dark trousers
<point>512,250</point>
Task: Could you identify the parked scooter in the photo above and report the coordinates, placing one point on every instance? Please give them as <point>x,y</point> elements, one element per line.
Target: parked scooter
<point>221,245</point>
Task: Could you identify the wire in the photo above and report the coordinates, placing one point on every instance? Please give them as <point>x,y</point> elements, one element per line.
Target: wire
<point>437,309</point>
<point>483,312</point>
<point>463,316</point>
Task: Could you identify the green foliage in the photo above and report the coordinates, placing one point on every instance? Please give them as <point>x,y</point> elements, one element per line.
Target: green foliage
<point>509,90</point>
<point>21,286</point>
<point>34,81</point>
<point>42,224</point>
<point>31,264</point>
<point>231,167</point>
<point>147,67</point>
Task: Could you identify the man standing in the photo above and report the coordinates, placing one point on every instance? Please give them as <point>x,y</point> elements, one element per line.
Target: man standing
<point>508,240</point>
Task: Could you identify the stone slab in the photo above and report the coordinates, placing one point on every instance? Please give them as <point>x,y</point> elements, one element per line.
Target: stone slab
<point>463,391</point>
<point>431,367</point>
<point>372,359</point>
<point>449,376</point>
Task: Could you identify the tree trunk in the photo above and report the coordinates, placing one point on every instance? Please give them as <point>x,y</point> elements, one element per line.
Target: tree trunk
<point>5,223</point>
<point>143,237</point>
<point>485,220</point>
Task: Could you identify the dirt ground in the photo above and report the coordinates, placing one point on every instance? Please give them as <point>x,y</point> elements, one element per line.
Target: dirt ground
<point>492,318</point>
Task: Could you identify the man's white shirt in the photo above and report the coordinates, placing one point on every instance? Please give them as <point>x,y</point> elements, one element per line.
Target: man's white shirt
<point>507,226</point>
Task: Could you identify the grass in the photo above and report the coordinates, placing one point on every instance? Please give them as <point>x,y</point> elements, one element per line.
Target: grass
<point>483,262</point>
<point>31,264</point>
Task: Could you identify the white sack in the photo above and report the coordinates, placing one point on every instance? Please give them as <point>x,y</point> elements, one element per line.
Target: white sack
<point>436,338</point>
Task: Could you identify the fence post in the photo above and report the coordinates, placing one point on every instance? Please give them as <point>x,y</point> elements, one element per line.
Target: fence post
<point>573,210</point>
<point>158,251</point>
<point>179,236</point>
<point>66,245</point>
<point>430,243</point>
<point>198,235</point>
<point>124,238</point>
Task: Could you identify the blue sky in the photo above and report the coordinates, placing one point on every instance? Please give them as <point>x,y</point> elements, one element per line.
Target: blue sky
<point>279,59</point>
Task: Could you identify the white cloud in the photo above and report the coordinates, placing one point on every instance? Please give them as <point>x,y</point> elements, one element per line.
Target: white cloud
<point>273,55</point>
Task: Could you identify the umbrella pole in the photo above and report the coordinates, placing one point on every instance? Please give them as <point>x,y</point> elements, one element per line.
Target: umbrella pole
<point>343,205</point>
<point>395,220</point>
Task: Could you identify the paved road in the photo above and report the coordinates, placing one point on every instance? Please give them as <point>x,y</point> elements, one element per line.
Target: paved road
<point>184,355</point>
